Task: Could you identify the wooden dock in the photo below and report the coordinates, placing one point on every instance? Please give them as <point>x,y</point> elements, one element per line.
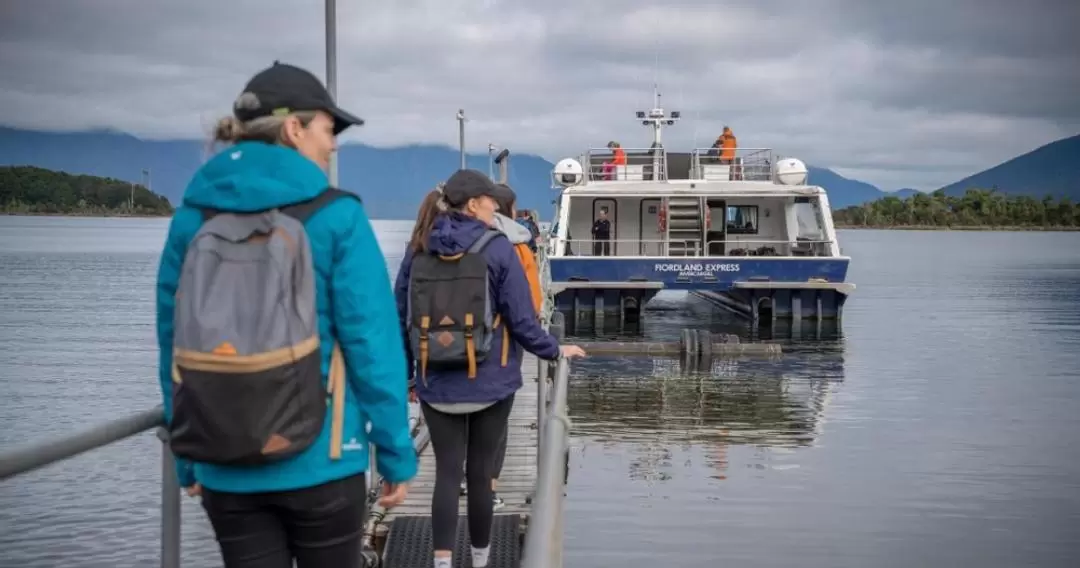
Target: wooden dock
<point>518,476</point>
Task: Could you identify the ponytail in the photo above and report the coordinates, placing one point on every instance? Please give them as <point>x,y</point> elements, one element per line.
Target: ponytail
<point>431,207</point>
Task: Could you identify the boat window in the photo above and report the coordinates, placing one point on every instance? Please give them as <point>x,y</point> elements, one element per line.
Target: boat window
<point>742,219</point>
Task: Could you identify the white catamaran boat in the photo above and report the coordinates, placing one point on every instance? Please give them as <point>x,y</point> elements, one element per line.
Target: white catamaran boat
<point>739,227</point>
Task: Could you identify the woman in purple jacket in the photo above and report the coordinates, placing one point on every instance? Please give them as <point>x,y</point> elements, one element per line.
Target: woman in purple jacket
<point>466,417</point>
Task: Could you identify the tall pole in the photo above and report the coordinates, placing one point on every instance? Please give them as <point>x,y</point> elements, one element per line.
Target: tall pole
<point>504,166</point>
<point>144,179</point>
<point>461,135</point>
<point>331,74</point>
<point>491,161</point>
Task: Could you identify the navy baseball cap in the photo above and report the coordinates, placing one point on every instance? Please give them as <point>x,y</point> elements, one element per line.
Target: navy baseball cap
<point>284,89</point>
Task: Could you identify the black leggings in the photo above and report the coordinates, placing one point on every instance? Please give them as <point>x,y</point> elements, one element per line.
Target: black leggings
<point>472,441</point>
<point>500,455</point>
<point>318,526</point>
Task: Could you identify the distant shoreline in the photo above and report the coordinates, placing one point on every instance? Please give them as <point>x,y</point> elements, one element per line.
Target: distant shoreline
<point>994,228</point>
<point>106,215</point>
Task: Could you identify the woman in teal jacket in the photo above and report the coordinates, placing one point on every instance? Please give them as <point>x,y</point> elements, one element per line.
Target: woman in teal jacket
<point>309,507</point>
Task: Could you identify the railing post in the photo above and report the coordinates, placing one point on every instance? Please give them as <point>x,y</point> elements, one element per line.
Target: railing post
<point>541,402</point>
<point>543,541</point>
<point>372,473</point>
<point>557,538</point>
<point>170,505</point>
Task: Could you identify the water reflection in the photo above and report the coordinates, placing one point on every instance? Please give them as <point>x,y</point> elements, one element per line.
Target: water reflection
<point>670,312</point>
<point>655,404</point>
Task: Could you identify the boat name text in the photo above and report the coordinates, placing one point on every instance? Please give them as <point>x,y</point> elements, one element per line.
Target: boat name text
<point>694,269</point>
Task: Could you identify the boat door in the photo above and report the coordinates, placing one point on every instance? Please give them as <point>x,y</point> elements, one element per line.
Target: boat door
<point>716,231</point>
<point>649,236</point>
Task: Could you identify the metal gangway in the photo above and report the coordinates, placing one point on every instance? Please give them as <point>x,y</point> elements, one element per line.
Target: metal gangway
<point>542,541</point>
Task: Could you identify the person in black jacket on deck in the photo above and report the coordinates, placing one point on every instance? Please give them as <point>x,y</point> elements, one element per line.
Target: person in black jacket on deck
<point>601,234</point>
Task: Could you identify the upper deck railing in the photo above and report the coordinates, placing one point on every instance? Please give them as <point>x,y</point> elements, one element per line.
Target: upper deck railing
<point>642,164</point>
<point>701,164</point>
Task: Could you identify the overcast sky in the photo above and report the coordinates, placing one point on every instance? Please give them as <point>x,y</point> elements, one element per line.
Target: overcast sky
<point>913,93</point>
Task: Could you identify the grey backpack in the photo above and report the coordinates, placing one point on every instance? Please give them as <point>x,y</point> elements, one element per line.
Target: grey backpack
<point>247,379</point>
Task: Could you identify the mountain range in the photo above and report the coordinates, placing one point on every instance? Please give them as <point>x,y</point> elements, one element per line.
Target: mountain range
<point>393,181</point>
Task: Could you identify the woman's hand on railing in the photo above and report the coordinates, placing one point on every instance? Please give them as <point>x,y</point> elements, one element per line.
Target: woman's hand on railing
<point>571,351</point>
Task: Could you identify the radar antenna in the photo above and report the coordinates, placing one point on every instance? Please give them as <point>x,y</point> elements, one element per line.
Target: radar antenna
<point>657,118</point>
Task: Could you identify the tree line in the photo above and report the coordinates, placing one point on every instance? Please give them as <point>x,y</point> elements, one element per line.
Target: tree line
<point>29,190</point>
<point>977,208</point>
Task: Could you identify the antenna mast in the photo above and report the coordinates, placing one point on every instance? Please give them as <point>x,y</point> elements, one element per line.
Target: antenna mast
<point>657,118</point>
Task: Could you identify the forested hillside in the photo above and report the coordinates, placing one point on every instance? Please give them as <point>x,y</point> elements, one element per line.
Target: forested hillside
<point>977,208</point>
<point>31,190</point>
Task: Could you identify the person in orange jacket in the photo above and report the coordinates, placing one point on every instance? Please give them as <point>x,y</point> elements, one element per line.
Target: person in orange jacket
<point>727,146</point>
<point>618,159</point>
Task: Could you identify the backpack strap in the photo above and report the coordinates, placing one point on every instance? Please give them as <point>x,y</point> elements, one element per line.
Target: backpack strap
<point>483,241</point>
<point>305,209</point>
<point>300,211</point>
<point>335,384</point>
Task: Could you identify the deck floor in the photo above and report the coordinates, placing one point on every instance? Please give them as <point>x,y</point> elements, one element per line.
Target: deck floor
<point>519,468</point>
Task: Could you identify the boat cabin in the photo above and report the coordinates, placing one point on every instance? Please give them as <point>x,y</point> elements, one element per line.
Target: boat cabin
<point>661,204</point>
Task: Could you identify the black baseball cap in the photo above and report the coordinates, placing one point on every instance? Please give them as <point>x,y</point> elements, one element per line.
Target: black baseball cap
<point>283,89</point>
<point>466,184</point>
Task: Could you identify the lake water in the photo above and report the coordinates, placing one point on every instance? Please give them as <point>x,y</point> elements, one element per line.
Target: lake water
<point>940,430</point>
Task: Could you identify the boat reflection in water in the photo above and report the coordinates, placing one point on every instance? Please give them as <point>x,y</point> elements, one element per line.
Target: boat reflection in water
<point>660,411</point>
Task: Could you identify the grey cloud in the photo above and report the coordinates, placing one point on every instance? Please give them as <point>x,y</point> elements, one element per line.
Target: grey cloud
<point>912,93</point>
<point>1027,29</point>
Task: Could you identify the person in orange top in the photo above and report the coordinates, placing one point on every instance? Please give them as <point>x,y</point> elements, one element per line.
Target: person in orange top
<point>520,237</point>
<point>618,159</point>
<point>727,146</point>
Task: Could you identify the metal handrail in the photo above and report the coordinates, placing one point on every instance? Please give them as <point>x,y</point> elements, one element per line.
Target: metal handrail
<point>33,456</point>
<point>645,247</point>
<point>543,539</point>
<point>786,247</point>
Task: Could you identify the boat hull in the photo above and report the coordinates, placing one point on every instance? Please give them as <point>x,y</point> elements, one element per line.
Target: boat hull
<point>754,287</point>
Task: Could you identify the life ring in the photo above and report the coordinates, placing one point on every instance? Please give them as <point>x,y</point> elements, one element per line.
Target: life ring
<point>661,218</point>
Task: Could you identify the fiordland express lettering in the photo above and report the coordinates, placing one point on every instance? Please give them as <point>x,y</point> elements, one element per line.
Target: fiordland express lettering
<point>695,268</point>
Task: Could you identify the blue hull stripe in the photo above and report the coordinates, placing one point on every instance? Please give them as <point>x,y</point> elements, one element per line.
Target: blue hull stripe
<point>681,273</point>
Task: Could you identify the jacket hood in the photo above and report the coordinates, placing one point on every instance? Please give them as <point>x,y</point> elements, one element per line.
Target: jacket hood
<point>513,230</point>
<point>252,176</point>
<point>454,233</point>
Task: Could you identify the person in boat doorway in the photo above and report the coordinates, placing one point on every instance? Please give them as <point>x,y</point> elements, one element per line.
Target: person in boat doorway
<point>601,234</point>
<point>298,493</point>
<point>466,393</point>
